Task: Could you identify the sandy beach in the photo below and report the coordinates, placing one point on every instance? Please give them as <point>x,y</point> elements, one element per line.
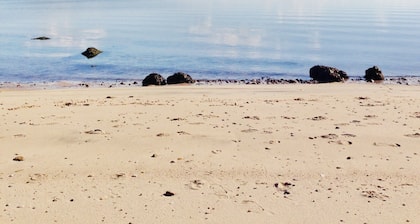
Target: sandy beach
<point>298,153</point>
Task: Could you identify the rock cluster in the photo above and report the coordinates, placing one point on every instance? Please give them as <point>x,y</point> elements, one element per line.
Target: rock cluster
<point>323,74</point>
<point>158,80</point>
<point>318,73</point>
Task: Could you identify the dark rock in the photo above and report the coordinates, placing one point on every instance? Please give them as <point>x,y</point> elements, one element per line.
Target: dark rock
<point>91,52</point>
<point>154,79</point>
<point>180,77</point>
<point>374,74</point>
<point>323,74</point>
<point>168,194</point>
<point>41,38</point>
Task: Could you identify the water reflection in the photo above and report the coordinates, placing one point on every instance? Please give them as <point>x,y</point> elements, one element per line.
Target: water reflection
<point>208,38</point>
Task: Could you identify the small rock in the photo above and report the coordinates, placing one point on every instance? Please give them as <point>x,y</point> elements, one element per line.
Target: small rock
<point>91,52</point>
<point>168,194</point>
<point>41,38</point>
<point>118,175</point>
<point>18,158</point>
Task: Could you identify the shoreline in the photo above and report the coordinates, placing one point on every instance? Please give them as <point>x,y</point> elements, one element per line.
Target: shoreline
<point>62,84</point>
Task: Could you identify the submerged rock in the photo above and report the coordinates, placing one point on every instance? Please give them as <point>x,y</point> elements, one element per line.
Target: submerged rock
<point>41,38</point>
<point>374,74</point>
<point>180,77</point>
<point>91,52</point>
<point>154,79</point>
<point>323,74</point>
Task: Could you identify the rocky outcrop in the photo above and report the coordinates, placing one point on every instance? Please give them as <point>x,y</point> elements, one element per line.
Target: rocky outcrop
<point>154,79</point>
<point>374,74</point>
<point>324,74</point>
<point>91,52</point>
<point>179,78</point>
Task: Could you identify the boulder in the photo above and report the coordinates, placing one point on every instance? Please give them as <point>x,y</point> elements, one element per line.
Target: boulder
<point>323,74</point>
<point>374,74</point>
<point>91,52</point>
<point>154,79</point>
<point>180,77</point>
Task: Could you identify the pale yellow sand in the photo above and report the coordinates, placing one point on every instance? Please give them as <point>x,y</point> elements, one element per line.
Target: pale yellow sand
<point>330,153</point>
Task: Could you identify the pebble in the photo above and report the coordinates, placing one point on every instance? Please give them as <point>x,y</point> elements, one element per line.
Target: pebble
<point>18,158</point>
<point>168,194</point>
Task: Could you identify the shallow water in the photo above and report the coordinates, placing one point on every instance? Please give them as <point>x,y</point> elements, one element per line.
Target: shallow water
<point>208,39</point>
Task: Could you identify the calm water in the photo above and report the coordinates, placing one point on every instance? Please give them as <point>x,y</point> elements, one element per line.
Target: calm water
<point>206,38</point>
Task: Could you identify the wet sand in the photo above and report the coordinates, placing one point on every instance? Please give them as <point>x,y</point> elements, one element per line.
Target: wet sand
<point>327,153</point>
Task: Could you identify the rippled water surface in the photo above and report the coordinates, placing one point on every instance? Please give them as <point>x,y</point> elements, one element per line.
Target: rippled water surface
<point>208,39</point>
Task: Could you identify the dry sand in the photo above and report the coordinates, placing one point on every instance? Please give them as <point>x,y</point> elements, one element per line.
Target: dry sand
<point>328,153</point>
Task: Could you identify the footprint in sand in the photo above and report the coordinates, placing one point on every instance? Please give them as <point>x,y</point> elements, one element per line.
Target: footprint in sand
<point>416,115</point>
<point>250,130</point>
<point>195,184</point>
<point>374,194</point>
<point>95,132</point>
<point>415,135</point>
<point>251,117</point>
<point>386,144</point>
<point>318,118</point>
<point>183,133</point>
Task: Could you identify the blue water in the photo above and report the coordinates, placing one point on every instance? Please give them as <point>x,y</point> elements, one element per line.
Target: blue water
<point>206,38</point>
